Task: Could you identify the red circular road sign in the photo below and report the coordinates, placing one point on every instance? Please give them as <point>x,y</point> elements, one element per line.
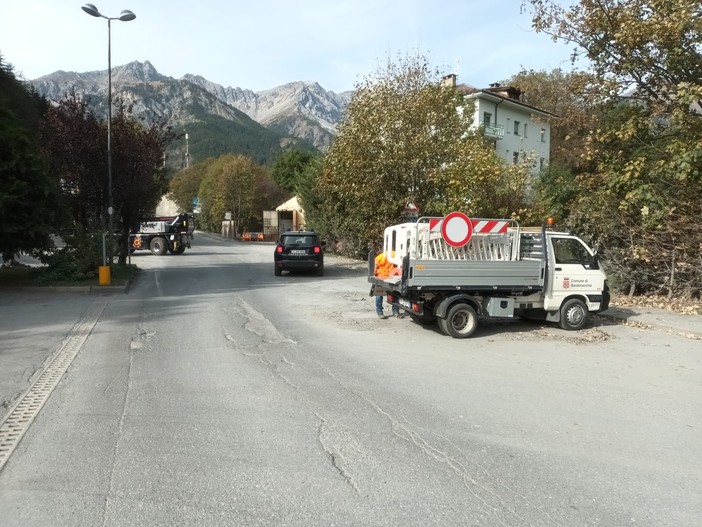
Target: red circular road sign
<point>456,229</point>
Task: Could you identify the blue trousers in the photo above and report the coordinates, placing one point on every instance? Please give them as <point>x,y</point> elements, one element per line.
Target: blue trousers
<point>379,306</point>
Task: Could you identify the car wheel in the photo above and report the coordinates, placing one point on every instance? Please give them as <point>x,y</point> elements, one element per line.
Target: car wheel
<point>573,314</point>
<point>320,271</point>
<point>158,245</point>
<point>277,270</point>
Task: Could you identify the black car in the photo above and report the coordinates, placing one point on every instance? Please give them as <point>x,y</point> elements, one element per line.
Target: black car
<point>299,251</point>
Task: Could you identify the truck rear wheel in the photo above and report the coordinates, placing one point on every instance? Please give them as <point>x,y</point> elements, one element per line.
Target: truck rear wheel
<point>573,314</point>
<point>179,250</point>
<point>158,245</point>
<point>460,322</point>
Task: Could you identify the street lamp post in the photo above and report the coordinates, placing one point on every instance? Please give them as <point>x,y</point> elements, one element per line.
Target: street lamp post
<point>124,16</point>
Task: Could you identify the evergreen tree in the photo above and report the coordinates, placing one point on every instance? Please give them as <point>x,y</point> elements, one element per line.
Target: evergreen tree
<point>29,208</point>
<point>288,168</point>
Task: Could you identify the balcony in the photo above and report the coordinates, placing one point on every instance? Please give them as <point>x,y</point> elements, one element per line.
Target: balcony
<point>493,131</point>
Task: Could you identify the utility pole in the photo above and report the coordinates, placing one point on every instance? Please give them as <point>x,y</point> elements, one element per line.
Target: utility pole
<point>187,151</point>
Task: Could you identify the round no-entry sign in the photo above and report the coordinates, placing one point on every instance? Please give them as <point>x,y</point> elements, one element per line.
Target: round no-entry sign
<point>456,229</point>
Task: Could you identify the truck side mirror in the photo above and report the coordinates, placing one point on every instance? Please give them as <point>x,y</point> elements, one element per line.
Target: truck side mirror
<point>595,261</point>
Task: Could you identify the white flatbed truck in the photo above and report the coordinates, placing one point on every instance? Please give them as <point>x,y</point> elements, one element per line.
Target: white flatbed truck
<point>455,269</point>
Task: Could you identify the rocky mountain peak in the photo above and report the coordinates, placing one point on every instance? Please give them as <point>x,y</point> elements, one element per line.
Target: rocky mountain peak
<point>301,109</point>
<point>136,72</point>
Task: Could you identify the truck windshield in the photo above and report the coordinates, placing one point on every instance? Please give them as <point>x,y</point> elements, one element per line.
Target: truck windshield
<point>571,251</point>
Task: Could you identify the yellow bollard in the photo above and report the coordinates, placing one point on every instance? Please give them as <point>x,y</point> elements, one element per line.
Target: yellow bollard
<point>104,274</point>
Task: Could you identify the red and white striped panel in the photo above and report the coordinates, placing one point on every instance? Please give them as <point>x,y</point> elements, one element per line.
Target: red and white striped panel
<point>435,224</point>
<point>490,226</point>
<point>479,226</point>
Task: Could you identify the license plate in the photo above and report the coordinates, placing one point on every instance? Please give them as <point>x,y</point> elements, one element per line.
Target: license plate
<point>298,252</point>
<point>405,303</point>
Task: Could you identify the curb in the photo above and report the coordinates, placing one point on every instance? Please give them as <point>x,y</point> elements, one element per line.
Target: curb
<point>85,289</point>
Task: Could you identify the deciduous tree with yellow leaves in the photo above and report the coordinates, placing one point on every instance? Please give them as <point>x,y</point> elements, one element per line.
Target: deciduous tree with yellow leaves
<point>408,138</point>
<point>641,199</point>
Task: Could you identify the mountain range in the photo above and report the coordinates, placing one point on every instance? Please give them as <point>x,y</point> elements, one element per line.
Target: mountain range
<point>217,119</point>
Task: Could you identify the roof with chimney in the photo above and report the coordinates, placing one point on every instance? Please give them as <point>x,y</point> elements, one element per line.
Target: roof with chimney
<point>496,91</point>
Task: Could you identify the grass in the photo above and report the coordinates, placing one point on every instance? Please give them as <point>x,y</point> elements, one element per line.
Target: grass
<point>38,277</point>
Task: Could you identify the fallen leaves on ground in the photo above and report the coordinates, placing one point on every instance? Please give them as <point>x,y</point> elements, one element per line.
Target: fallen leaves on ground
<point>584,336</point>
<point>686,306</point>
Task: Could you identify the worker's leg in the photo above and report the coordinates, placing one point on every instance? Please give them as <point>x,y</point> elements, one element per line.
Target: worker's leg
<point>379,305</point>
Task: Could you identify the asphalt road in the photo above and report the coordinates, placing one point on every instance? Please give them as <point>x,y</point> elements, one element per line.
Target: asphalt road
<point>213,393</point>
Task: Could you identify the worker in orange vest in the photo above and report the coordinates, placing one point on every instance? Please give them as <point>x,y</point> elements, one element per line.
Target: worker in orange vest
<point>384,269</point>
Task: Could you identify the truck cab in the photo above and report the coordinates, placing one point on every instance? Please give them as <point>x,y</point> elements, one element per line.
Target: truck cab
<point>574,273</point>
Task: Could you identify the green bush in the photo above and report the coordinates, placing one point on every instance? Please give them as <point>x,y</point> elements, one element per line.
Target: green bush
<point>78,260</point>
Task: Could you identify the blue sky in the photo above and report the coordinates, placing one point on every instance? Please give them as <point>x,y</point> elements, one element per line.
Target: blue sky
<point>261,44</point>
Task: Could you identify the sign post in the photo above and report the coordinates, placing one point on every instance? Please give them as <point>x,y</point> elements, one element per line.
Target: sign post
<point>410,212</point>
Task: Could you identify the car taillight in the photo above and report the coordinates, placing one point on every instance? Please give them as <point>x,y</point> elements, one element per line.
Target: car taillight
<point>279,249</point>
<point>317,249</point>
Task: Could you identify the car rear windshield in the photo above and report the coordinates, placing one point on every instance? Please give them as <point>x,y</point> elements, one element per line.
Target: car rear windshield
<point>304,240</point>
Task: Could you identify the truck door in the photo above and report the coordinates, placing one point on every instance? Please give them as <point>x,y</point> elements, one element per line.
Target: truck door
<point>573,269</point>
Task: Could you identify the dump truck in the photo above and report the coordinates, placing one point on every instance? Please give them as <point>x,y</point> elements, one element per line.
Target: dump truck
<point>161,234</point>
<point>454,269</point>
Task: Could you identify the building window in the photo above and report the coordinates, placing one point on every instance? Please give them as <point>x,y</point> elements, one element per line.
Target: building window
<point>515,158</point>
<point>509,130</point>
<point>487,118</point>
<point>516,127</point>
<point>525,129</point>
<point>543,135</point>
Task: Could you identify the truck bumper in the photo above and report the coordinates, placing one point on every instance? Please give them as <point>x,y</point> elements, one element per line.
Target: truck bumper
<point>603,298</point>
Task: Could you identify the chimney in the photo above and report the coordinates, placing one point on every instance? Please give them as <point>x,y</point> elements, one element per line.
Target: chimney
<point>506,91</point>
<point>449,80</point>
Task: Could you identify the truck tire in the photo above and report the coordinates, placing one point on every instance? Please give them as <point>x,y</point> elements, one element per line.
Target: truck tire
<point>573,314</point>
<point>179,250</point>
<point>460,322</point>
<point>158,245</point>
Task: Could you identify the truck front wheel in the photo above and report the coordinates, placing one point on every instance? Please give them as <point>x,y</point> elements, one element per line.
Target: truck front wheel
<point>158,246</point>
<point>460,321</point>
<point>573,314</point>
